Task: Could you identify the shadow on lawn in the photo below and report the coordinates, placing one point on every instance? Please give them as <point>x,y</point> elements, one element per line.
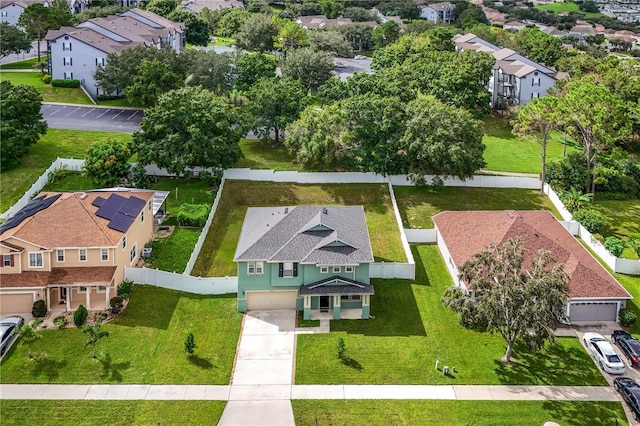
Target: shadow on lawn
<point>351,363</point>
<point>113,370</point>
<point>48,367</point>
<point>557,365</point>
<point>585,413</point>
<point>203,363</point>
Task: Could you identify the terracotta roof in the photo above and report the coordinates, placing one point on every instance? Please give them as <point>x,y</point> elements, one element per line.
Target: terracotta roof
<point>91,275</point>
<point>469,232</point>
<point>71,222</point>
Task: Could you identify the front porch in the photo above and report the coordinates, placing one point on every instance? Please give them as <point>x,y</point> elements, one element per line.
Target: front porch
<point>344,314</point>
<point>336,298</point>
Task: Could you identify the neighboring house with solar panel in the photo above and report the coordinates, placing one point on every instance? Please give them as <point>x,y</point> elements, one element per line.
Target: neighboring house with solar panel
<point>71,248</point>
<point>310,258</point>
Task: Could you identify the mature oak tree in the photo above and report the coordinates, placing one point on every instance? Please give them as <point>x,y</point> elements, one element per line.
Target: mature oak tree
<point>257,34</point>
<point>189,127</point>
<point>106,162</point>
<point>13,40</point>
<point>291,36</point>
<point>152,79</point>
<point>251,67</point>
<point>311,68</point>
<point>519,302</point>
<point>35,20</point>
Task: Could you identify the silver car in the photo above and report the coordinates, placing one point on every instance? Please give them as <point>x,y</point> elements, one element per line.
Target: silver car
<point>604,353</point>
<point>7,325</point>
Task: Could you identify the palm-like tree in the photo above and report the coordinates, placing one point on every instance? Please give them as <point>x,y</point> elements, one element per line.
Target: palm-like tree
<point>575,200</point>
<point>29,334</point>
<point>95,333</point>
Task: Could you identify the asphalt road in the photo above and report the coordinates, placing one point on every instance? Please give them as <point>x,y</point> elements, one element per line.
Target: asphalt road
<point>124,120</point>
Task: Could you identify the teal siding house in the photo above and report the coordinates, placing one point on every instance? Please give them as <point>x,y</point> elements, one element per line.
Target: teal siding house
<point>310,258</point>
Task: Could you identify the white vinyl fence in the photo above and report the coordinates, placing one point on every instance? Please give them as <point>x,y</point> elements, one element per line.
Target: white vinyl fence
<point>182,282</point>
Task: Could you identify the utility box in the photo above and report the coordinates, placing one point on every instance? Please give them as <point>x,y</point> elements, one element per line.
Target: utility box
<point>146,252</point>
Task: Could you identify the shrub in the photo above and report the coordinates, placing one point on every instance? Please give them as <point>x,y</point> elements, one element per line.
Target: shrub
<point>341,348</point>
<point>39,309</point>
<point>116,302</point>
<point>627,317</point>
<point>106,162</point>
<point>591,219</point>
<point>139,177</point>
<point>46,79</point>
<point>80,316</point>
<point>74,84</point>
<point>192,215</point>
<point>60,322</point>
<point>125,289</point>
<point>190,344</point>
<point>615,245</point>
<point>634,242</point>
<point>110,97</point>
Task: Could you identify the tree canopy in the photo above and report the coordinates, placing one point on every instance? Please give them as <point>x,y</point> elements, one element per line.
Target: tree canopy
<point>106,162</point>
<point>12,40</point>
<point>257,34</point>
<point>311,68</point>
<point>35,20</point>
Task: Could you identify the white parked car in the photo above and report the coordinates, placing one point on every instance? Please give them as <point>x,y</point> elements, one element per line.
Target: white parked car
<point>604,353</point>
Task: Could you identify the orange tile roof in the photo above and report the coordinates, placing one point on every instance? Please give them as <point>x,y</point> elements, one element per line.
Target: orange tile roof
<point>101,275</point>
<point>469,232</point>
<point>71,222</point>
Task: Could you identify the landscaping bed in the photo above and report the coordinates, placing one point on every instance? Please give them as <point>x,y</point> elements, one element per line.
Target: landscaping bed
<point>412,329</point>
<point>216,256</point>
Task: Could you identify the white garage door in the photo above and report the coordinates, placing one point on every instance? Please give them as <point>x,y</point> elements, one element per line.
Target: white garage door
<point>267,300</point>
<point>593,311</point>
<point>16,303</point>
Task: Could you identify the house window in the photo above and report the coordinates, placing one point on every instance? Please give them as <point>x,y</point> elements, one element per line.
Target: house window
<point>82,290</point>
<point>124,242</point>
<point>149,205</point>
<point>100,61</point>
<point>132,254</point>
<point>350,297</point>
<point>104,254</point>
<point>83,255</point>
<point>68,61</point>
<point>255,268</point>
<point>288,269</point>
<point>535,82</point>
<point>102,289</point>
<point>60,255</point>
<point>324,269</point>
<point>348,269</point>
<point>5,13</point>
<point>535,95</point>
<point>336,269</point>
<point>142,216</point>
<point>35,260</point>
<point>7,260</point>
<point>68,76</point>
<point>66,46</point>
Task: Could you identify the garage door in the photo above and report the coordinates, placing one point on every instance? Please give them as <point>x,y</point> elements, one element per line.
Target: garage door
<point>593,312</point>
<point>268,300</point>
<point>16,303</point>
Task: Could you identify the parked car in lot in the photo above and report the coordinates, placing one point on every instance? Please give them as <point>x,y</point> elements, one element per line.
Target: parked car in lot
<point>604,353</point>
<point>629,346</point>
<point>7,325</point>
<point>630,391</point>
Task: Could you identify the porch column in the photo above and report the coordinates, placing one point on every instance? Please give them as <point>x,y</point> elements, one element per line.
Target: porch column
<point>106,298</point>
<point>365,306</point>
<point>307,308</point>
<point>88,299</point>
<point>68,299</point>
<point>336,307</point>
<point>48,297</point>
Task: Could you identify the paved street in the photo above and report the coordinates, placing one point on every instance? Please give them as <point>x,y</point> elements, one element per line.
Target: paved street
<point>64,116</point>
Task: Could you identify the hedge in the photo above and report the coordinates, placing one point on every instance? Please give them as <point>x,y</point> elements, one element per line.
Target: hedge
<point>66,83</point>
<point>193,215</point>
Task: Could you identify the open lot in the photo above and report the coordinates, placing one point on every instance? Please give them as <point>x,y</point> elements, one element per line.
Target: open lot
<point>412,329</point>
<point>145,344</point>
<point>216,256</point>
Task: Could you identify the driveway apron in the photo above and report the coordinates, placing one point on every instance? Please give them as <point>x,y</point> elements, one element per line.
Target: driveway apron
<point>263,374</point>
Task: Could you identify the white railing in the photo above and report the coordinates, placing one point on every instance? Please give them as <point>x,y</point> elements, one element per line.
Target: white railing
<point>390,270</point>
<point>421,236</point>
<point>181,282</point>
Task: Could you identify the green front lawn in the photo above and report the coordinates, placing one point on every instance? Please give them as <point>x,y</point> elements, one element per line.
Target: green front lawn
<point>412,329</point>
<point>452,413</point>
<point>505,153</point>
<point>623,218</point>
<point>48,92</point>
<point>418,204</point>
<point>27,64</point>
<point>145,344</point>
<point>125,413</point>
<point>216,256</point>
<point>55,143</point>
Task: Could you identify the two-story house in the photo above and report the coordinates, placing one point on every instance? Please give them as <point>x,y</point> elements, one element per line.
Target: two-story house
<point>309,258</point>
<point>71,248</point>
<point>75,52</point>
<point>438,12</point>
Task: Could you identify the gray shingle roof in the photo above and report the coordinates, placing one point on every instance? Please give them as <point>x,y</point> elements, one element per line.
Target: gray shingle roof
<point>335,285</point>
<point>332,235</point>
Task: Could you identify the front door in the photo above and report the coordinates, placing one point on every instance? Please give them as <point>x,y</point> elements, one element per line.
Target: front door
<point>324,303</point>
<point>62,295</point>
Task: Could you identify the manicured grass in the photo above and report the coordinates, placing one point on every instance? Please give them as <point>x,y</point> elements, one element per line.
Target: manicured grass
<point>222,41</point>
<point>306,323</point>
<point>559,7</point>
<point>505,153</point>
<point>125,413</point>
<point>412,329</point>
<point>418,204</point>
<point>452,413</point>
<point>124,102</point>
<point>216,257</point>
<point>172,254</point>
<point>27,64</point>
<point>144,346</point>
<point>55,143</point>
<point>623,219</point>
<point>262,155</point>
<point>48,92</point>
<point>192,191</point>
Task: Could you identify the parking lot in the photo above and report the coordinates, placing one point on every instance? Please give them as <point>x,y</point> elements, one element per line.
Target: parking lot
<point>345,67</point>
<point>125,120</point>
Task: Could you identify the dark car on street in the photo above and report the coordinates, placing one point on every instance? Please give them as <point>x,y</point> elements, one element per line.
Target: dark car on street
<point>630,391</point>
<point>629,346</point>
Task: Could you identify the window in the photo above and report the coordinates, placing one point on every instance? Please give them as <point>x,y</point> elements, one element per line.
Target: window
<point>68,76</point>
<point>104,254</point>
<point>124,242</point>
<point>255,268</point>
<point>324,269</point>
<point>102,289</point>
<point>35,260</point>
<point>535,82</point>
<point>336,269</point>
<point>68,60</point>
<point>348,269</point>
<point>82,289</point>
<point>288,269</point>
<point>535,95</point>
<point>350,297</point>
<point>100,61</point>
<point>83,255</point>
<point>132,254</point>
<point>142,216</point>
<point>7,260</point>
<point>66,46</point>
<point>5,13</point>
<point>60,255</point>
<point>149,205</point>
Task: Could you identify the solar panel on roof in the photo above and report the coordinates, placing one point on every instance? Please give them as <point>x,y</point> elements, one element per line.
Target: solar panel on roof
<point>111,206</point>
<point>99,201</point>
<point>132,206</point>
<point>121,222</point>
<point>34,206</point>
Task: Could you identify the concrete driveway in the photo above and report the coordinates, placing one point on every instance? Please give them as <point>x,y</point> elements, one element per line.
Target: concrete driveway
<point>263,373</point>
<point>78,117</point>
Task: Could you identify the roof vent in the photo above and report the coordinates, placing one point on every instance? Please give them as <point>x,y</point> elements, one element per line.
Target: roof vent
<point>83,195</point>
<point>286,210</point>
<point>324,210</point>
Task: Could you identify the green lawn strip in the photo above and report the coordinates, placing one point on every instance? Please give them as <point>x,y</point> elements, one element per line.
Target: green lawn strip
<point>262,155</point>
<point>623,218</point>
<point>172,254</point>
<point>145,344</point>
<point>451,413</point>
<point>123,102</point>
<point>418,204</point>
<point>412,329</point>
<point>183,190</point>
<point>306,323</point>
<point>54,413</point>
<point>48,92</point>
<point>559,7</point>
<point>216,256</point>
<point>55,143</point>
<point>27,64</point>
<point>505,153</point>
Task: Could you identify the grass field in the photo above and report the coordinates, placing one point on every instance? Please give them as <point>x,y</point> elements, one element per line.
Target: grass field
<point>412,329</point>
<point>623,219</point>
<point>216,257</point>
<point>559,7</point>
<point>124,413</point>
<point>27,64</point>
<point>418,204</point>
<point>48,92</point>
<point>55,143</point>
<point>456,413</point>
<point>261,155</point>
<point>145,344</point>
<point>172,254</point>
